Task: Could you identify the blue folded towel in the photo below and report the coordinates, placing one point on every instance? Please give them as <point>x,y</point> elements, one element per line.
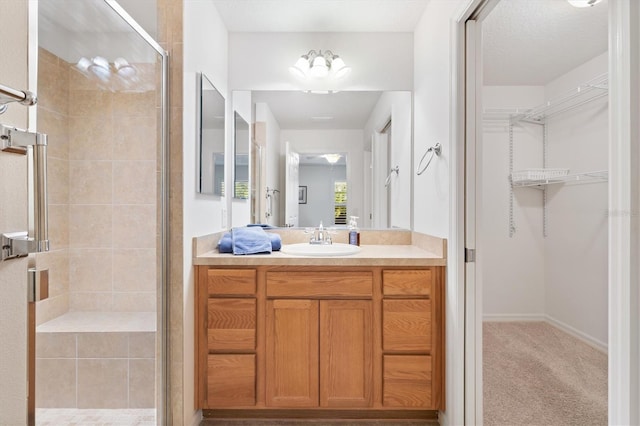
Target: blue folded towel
<point>251,240</point>
<point>225,245</point>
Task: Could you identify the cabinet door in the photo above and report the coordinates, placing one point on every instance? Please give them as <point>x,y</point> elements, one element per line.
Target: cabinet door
<point>346,359</point>
<point>292,353</point>
<point>231,380</point>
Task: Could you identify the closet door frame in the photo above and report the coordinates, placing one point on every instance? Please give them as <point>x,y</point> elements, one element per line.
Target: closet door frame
<point>623,218</point>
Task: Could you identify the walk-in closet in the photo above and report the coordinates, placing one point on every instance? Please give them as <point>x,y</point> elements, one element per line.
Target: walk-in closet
<point>543,213</point>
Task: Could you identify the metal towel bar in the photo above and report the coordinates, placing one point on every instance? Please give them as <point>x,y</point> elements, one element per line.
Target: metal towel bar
<point>435,150</point>
<point>7,94</point>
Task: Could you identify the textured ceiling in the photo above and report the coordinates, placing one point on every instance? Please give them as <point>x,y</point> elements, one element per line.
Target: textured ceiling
<point>532,42</point>
<point>321,15</point>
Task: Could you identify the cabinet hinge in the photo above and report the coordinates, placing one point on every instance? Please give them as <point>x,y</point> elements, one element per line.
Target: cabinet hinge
<point>469,255</point>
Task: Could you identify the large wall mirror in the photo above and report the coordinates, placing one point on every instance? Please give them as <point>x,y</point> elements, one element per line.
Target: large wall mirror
<point>353,139</point>
<point>210,126</point>
<point>241,158</point>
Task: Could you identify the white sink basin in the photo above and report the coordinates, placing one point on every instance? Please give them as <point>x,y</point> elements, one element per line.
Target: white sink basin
<point>306,249</point>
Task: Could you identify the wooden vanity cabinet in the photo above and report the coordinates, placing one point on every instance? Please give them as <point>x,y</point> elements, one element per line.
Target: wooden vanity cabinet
<point>292,337</point>
<point>319,346</point>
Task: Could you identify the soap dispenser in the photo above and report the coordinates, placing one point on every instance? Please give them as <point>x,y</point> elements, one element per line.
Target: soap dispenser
<point>354,234</point>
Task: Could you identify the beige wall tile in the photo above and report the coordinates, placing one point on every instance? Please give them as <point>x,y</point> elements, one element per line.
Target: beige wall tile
<point>142,345</point>
<point>53,80</point>
<point>58,226</point>
<point>90,301</point>
<point>90,138</point>
<point>51,308</point>
<point>134,104</point>
<point>134,270</point>
<point>57,181</point>
<point>56,383</point>
<point>102,383</point>
<point>90,270</point>
<point>137,139</point>
<point>134,226</point>
<point>90,226</point>
<point>55,345</point>
<point>103,345</point>
<point>56,126</point>
<point>89,102</point>
<point>90,182</point>
<point>134,302</point>
<point>134,182</point>
<point>142,380</point>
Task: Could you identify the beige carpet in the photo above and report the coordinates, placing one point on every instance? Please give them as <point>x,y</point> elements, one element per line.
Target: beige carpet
<point>535,374</point>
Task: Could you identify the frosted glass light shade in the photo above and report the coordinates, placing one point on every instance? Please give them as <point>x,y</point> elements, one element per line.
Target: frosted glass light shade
<point>100,67</point>
<point>83,64</point>
<point>300,68</point>
<point>339,68</point>
<point>319,68</point>
<point>124,68</point>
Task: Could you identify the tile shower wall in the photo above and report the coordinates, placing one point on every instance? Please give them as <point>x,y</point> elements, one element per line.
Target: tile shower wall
<point>102,185</point>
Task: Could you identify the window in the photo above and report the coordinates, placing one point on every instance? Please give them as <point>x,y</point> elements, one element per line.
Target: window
<point>340,203</point>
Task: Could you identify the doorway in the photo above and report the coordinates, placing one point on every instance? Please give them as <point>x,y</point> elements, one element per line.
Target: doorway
<point>538,210</point>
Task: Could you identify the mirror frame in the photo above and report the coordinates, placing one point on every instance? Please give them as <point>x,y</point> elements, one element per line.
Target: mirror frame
<point>201,81</point>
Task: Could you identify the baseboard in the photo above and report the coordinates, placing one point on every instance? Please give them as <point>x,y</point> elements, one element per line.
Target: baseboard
<point>512,317</point>
<point>197,418</point>
<point>591,341</point>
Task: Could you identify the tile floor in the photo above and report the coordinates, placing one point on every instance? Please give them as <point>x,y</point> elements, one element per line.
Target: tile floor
<point>94,417</point>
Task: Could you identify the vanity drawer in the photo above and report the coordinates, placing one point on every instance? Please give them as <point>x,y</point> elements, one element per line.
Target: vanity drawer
<point>407,381</point>
<point>407,283</point>
<point>231,324</point>
<point>231,380</point>
<point>406,325</point>
<point>320,284</point>
<point>234,282</point>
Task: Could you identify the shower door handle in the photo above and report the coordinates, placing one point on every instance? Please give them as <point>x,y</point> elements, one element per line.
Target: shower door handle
<point>36,238</point>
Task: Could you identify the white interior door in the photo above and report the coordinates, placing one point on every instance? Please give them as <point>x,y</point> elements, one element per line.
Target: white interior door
<point>292,182</point>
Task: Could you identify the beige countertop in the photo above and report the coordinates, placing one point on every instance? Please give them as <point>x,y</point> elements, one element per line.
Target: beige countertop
<point>380,248</point>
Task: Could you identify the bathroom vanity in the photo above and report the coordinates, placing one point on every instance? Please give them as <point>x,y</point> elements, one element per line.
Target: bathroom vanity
<point>330,335</point>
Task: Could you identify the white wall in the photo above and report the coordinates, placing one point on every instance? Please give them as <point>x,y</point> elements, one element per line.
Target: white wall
<point>432,115</point>
<point>512,268</point>
<point>434,45</point>
<point>319,180</point>
<point>397,106</point>
<point>379,61</point>
<point>272,164</point>
<point>205,50</point>
<point>576,247</point>
<point>349,141</point>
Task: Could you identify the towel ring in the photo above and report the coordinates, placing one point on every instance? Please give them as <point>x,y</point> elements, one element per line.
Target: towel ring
<point>396,169</point>
<point>434,150</point>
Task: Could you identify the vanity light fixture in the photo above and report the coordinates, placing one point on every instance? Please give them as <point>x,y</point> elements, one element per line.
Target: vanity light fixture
<point>99,67</point>
<point>583,3</point>
<point>319,65</point>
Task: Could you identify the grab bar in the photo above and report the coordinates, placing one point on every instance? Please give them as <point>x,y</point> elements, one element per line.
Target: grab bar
<point>36,238</point>
<point>7,94</point>
<point>434,150</point>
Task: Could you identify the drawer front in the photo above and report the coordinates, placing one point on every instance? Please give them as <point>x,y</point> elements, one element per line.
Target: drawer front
<point>407,283</point>
<point>320,284</point>
<point>231,324</point>
<point>407,381</point>
<point>231,380</point>
<point>234,282</point>
<point>406,325</point>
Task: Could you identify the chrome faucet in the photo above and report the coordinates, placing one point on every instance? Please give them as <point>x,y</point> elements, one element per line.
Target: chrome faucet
<point>320,236</point>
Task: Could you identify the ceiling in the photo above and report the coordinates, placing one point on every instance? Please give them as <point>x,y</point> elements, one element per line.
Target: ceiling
<point>532,42</point>
<point>321,15</point>
<point>299,110</point>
